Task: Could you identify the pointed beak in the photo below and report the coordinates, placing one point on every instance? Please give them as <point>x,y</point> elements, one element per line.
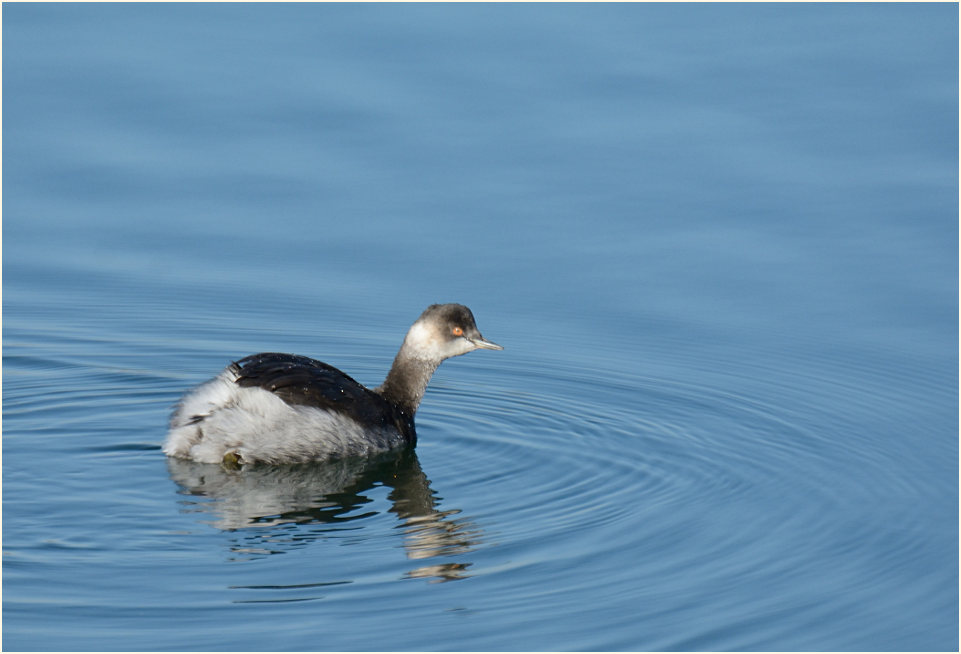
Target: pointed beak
<point>481,342</point>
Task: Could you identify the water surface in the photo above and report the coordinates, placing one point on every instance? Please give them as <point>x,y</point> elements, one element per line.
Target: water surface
<point>719,243</point>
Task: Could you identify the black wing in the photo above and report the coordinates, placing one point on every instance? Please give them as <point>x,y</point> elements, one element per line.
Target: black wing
<point>304,381</point>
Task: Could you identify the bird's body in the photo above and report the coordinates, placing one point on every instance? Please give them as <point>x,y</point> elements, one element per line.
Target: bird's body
<point>285,408</point>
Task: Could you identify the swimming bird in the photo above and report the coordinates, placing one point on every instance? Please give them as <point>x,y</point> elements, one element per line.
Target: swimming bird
<point>283,408</point>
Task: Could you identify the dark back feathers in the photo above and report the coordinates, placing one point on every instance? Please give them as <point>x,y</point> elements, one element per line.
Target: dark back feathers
<point>300,380</point>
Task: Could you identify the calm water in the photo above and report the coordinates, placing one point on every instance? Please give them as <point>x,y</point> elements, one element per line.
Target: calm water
<point>719,243</point>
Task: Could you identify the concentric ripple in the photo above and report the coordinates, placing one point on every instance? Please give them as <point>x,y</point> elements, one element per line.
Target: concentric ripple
<point>629,501</point>
<point>592,449</point>
<point>694,486</point>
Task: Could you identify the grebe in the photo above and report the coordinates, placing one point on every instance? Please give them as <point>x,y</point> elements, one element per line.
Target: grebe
<point>285,408</point>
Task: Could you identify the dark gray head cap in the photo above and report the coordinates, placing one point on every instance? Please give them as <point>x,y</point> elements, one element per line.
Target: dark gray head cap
<point>451,317</point>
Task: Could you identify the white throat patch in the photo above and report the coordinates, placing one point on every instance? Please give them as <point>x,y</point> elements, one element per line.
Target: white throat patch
<point>423,342</point>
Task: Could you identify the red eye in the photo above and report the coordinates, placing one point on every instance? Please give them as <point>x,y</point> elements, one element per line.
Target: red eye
<point>457,331</point>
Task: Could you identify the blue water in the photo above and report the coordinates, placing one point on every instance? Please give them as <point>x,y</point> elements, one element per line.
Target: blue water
<point>719,243</point>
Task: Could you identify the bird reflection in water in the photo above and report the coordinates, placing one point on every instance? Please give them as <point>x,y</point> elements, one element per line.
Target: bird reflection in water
<point>276,509</point>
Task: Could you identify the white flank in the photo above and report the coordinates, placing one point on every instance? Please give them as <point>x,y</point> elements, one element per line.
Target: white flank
<point>258,426</point>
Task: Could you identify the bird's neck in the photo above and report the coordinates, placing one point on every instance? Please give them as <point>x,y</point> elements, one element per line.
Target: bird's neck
<point>407,380</point>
